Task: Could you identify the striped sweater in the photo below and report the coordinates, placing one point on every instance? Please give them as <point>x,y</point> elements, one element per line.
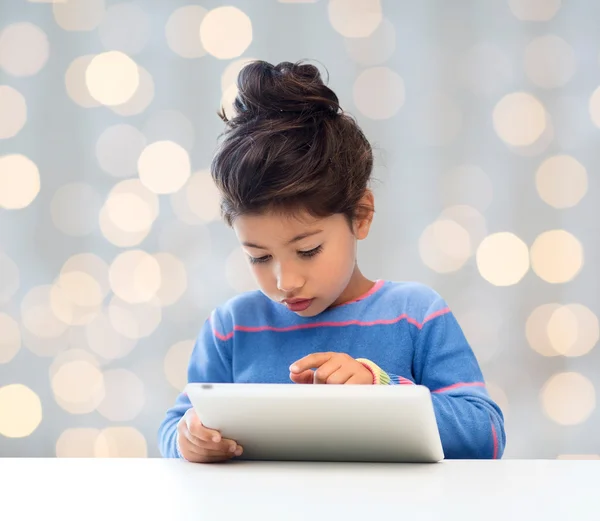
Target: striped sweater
<point>403,331</point>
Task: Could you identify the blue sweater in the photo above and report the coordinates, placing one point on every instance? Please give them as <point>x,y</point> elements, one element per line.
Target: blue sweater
<point>405,331</point>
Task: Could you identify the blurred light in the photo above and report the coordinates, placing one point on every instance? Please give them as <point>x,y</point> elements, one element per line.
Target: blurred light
<point>79,15</point>
<point>78,386</point>
<point>125,28</point>
<point>470,219</point>
<point>568,398</point>
<point>77,443</point>
<point>20,411</point>
<point>594,107</point>
<point>134,276</point>
<point>164,167</point>
<point>93,266</point>
<point>444,246</point>
<point>183,31</point>
<point>226,32</point>
<point>13,112</point>
<point>9,278</point>
<point>374,49</point>
<point>191,244</point>
<point>534,10</point>
<point>24,49</point>
<point>486,70</point>
<point>482,330</point>
<point>75,298</point>
<point>549,61</point>
<point>499,396</point>
<point>573,330</point>
<point>540,145</point>
<point>230,74</point>
<point>124,397</point>
<point>355,18</point>
<point>227,100</point>
<point>536,329</point>
<point>104,340</point>
<point>141,99</point>
<point>440,119</point>
<point>76,84</point>
<point>556,256</point>
<point>19,181</point>
<point>519,119</point>
<point>561,181</point>
<point>74,209</point>
<point>118,149</point>
<point>181,208</point>
<point>390,92</point>
<point>37,315</point>
<point>173,278</point>
<point>121,442</point>
<point>10,338</point>
<point>203,198</point>
<point>128,213</point>
<point>237,271</point>
<point>467,185</point>
<point>176,363</point>
<point>134,321</point>
<point>502,259</point>
<point>112,78</point>
<point>170,125</point>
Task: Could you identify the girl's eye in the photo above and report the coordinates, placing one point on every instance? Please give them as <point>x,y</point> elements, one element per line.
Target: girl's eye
<point>259,260</point>
<point>311,253</point>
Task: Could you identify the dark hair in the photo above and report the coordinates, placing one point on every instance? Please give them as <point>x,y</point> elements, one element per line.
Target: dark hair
<point>289,146</point>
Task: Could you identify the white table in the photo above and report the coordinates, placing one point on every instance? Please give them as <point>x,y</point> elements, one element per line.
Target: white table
<point>171,490</point>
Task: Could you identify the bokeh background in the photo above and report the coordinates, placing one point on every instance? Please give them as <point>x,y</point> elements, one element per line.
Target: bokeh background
<point>485,117</point>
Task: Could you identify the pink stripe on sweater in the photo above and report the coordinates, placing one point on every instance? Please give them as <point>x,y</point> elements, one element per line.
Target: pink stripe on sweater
<point>495,438</point>
<point>459,385</point>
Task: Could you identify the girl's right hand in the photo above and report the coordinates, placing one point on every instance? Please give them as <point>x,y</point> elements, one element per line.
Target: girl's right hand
<point>202,445</point>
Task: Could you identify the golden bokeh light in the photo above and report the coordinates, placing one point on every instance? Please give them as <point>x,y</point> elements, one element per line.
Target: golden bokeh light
<point>557,256</point>
<point>561,181</point>
<point>173,277</point>
<point>124,395</point>
<point>129,212</point>
<point>125,28</point>
<point>203,198</point>
<point>135,276</point>
<point>78,385</point>
<point>164,167</point>
<point>118,149</point>
<point>78,442</point>
<point>24,49</point>
<point>486,70</point>
<point>37,315</point>
<point>549,61</point>
<point>104,340</point>
<point>10,338</point>
<point>121,442</point>
<point>534,10</point>
<point>467,185</point>
<point>75,298</point>
<point>74,209</point>
<point>355,18</point>
<point>374,49</point>
<point>112,78</point>
<point>13,112</point>
<point>134,321</point>
<point>19,181</point>
<point>227,100</point>
<point>568,398</point>
<point>20,411</point>
<point>226,32</point>
<point>445,246</point>
<point>390,92</point>
<point>237,271</point>
<point>10,278</point>
<point>183,31</point>
<point>573,330</point>
<point>470,219</point>
<point>93,266</point>
<point>75,82</point>
<point>594,107</point>
<point>502,259</point>
<point>519,119</point>
<point>540,145</point>
<point>79,15</point>
<point>170,125</point>
<point>141,99</point>
<point>536,329</point>
<point>176,363</point>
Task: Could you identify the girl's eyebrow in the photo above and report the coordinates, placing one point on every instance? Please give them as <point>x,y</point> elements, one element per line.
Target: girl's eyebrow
<point>295,239</point>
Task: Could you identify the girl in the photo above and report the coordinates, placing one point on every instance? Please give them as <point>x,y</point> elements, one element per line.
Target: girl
<point>293,171</point>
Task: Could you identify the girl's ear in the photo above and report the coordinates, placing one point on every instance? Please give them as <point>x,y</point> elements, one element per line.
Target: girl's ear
<point>364,215</point>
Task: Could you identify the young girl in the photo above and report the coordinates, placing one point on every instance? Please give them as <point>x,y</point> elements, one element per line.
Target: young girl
<point>293,171</point>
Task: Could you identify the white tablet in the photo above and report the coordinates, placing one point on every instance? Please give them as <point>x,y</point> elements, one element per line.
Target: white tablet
<point>291,422</point>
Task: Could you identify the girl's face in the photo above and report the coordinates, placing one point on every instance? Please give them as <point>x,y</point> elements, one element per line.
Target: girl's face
<point>304,263</point>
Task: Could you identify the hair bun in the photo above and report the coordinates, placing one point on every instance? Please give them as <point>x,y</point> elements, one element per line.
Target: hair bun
<point>279,90</point>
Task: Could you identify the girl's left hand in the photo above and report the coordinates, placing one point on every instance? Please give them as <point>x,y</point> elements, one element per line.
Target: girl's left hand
<point>330,368</point>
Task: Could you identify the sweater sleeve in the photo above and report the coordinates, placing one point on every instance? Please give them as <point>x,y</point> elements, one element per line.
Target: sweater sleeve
<point>470,423</point>
<point>210,362</point>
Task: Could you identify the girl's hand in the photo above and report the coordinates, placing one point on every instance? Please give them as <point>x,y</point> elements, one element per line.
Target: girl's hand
<point>330,368</point>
